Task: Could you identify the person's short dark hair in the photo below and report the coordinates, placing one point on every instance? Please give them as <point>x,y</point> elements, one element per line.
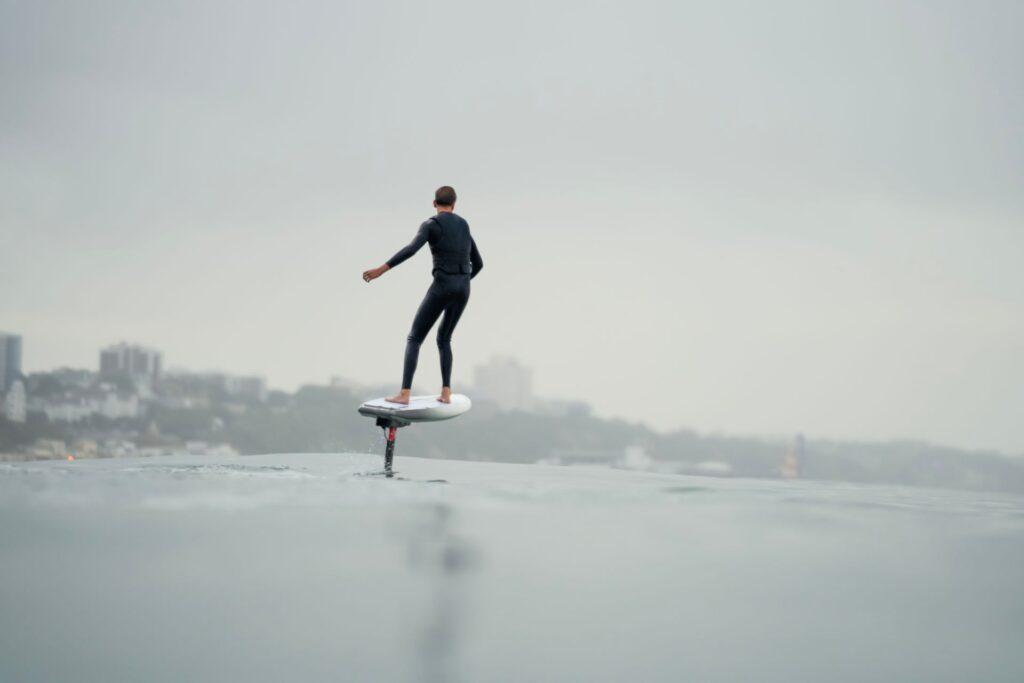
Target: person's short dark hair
<point>445,196</point>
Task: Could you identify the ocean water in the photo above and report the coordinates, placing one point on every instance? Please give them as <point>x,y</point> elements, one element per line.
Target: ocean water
<point>300,567</point>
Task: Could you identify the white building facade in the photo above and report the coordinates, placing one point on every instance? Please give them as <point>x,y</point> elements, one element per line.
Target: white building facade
<point>16,402</point>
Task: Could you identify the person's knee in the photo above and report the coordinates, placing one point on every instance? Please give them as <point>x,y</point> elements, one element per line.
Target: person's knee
<point>443,342</point>
<point>415,339</point>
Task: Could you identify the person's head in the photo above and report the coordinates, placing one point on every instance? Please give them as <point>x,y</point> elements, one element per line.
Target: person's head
<point>444,198</point>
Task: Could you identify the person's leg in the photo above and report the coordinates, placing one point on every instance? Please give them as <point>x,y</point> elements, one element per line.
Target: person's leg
<point>452,312</point>
<point>429,310</point>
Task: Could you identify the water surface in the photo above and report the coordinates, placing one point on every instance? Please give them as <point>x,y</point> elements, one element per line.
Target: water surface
<point>298,567</point>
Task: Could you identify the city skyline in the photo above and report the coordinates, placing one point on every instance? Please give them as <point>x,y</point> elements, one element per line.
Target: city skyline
<point>516,394</point>
<point>129,407</point>
<point>503,379</point>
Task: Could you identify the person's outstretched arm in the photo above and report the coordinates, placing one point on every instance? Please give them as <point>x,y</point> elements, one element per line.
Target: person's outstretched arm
<point>474,256</point>
<point>403,254</point>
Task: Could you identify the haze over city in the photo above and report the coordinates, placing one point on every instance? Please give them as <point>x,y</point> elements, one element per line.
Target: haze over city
<point>756,219</point>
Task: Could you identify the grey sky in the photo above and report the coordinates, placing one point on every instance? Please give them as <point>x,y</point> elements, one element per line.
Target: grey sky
<point>747,217</point>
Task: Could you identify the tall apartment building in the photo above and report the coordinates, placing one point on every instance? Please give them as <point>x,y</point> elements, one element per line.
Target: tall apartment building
<point>506,382</point>
<point>132,359</point>
<point>10,360</point>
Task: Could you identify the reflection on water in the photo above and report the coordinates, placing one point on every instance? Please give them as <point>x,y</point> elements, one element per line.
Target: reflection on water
<point>435,550</point>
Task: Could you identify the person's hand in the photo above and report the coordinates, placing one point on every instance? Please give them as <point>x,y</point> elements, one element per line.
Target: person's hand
<point>374,273</point>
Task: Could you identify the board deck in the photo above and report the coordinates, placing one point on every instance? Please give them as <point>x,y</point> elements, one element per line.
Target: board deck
<point>420,408</point>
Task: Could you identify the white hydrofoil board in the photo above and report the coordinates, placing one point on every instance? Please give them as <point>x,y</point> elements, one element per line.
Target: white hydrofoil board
<point>420,408</point>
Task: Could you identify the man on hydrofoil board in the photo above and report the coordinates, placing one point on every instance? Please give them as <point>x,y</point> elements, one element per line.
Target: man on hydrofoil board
<point>456,262</point>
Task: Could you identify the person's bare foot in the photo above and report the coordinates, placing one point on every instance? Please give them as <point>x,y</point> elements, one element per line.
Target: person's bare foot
<point>402,397</point>
<point>446,395</point>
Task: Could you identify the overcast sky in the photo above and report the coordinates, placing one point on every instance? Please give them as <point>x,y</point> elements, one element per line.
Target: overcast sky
<point>742,217</point>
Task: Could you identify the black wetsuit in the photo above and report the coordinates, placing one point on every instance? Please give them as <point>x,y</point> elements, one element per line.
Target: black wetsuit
<point>456,262</point>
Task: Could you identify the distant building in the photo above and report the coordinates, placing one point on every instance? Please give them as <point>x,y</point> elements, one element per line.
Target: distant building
<point>67,410</point>
<point>16,402</point>
<point>78,404</point>
<point>793,463</point>
<point>635,457</point>
<point>115,406</point>
<point>85,448</point>
<point>562,408</point>
<point>506,382</point>
<point>118,448</point>
<point>73,377</point>
<point>10,360</point>
<point>185,389</point>
<point>141,364</point>
<point>254,388</point>
<point>48,448</point>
